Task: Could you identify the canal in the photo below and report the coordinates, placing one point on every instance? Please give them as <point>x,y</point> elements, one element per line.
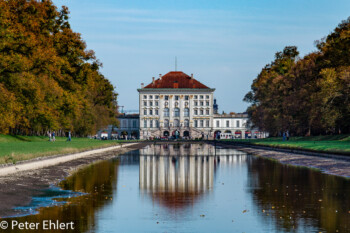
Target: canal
<point>193,188</point>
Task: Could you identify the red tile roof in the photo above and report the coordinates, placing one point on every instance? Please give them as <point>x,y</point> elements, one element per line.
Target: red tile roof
<point>176,79</point>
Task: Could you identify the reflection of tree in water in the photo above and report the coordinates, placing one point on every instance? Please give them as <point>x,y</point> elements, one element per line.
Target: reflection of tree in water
<point>99,181</point>
<point>292,195</point>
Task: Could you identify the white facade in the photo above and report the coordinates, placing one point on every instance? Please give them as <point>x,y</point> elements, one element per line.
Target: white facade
<point>128,128</point>
<point>236,125</point>
<point>164,111</point>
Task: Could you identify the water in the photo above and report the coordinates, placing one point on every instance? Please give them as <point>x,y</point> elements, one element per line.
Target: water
<point>195,188</point>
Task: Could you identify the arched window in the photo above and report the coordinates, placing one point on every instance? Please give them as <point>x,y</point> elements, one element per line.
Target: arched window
<point>176,112</point>
<point>166,112</point>
<point>176,123</point>
<point>166,123</point>
<point>187,123</point>
<point>186,112</point>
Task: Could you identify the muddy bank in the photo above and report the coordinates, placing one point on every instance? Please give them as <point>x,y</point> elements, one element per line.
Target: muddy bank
<point>18,188</point>
<point>333,166</point>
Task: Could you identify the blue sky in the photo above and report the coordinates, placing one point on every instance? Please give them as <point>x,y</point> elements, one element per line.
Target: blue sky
<point>224,43</point>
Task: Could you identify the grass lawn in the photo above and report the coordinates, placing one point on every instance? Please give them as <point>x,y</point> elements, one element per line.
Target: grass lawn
<point>333,144</point>
<point>17,148</point>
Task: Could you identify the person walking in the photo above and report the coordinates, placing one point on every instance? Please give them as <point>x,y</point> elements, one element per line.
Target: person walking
<point>69,136</point>
<point>284,136</point>
<point>53,136</point>
<point>49,133</point>
<point>287,135</point>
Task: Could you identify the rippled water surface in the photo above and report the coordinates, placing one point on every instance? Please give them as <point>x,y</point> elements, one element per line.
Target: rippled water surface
<point>197,188</point>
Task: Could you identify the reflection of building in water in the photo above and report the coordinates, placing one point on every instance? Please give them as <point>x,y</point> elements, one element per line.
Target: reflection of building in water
<point>226,157</point>
<point>176,174</point>
<point>178,149</point>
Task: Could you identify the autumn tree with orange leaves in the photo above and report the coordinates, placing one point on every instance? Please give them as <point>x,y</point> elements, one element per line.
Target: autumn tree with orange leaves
<point>48,78</point>
<point>306,96</point>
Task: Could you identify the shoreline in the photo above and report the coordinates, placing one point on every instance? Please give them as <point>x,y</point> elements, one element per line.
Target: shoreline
<point>337,165</point>
<point>18,186</point>
<point>47,161</point>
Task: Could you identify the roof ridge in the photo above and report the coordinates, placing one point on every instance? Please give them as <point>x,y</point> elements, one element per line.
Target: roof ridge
<point>176,79</point>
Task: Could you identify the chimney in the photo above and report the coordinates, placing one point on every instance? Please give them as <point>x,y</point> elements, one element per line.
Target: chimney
<point>160,76</point>
<point>153,80</point>
<point>142,85</point>
<point>191,76</point>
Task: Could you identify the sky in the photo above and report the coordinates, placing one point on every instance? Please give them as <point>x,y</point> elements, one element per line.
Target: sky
<point>224,43</point>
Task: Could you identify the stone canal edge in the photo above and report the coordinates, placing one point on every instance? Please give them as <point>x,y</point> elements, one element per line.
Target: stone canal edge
<point>54,160</point>
<point>337,165</point>
<point>20,182</point>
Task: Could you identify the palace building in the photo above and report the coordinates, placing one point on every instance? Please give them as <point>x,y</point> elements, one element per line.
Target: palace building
<point>175,104</point>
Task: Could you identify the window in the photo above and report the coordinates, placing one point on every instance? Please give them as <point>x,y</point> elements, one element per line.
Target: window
<point>145,96</point>
<point>151,96</point>
<point>145,112</point>
<point>227,123</point>
<point>207,123</point>
<point>186,112</point>
<point>202,103</point>
<point>134,123</point>
<point>217,123</point>
<point>166,112</point>
<point>195,103</point>
<point>187,123</point>
<point>201,123</point>
<point>176,97</point>
<point>176,112</point>
<point>156,112</point>
<point>176,123</point>
<point>144,103</point>
<point>150,103</point>
<point>150,112</point>
<point>186,97</point>
<point>166,97</point>
<point>207,96</point>
<point>196,97</point>
<point>151,123</point>
<point>207,112</point>
<point>156,97</point>
<point>195,123</point>
<point>157,103</point>
<point>195,112</point>
<point>157,124</point>
<point>201,113</point>
<point>145,124</point>
<point>166,123</point>
<point>207,103</point>
<point>201,97</point>
<point>237,124</point>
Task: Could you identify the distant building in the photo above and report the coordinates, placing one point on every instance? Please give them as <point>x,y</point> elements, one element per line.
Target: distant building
<point>128,127</point>
<point>234,125</point>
